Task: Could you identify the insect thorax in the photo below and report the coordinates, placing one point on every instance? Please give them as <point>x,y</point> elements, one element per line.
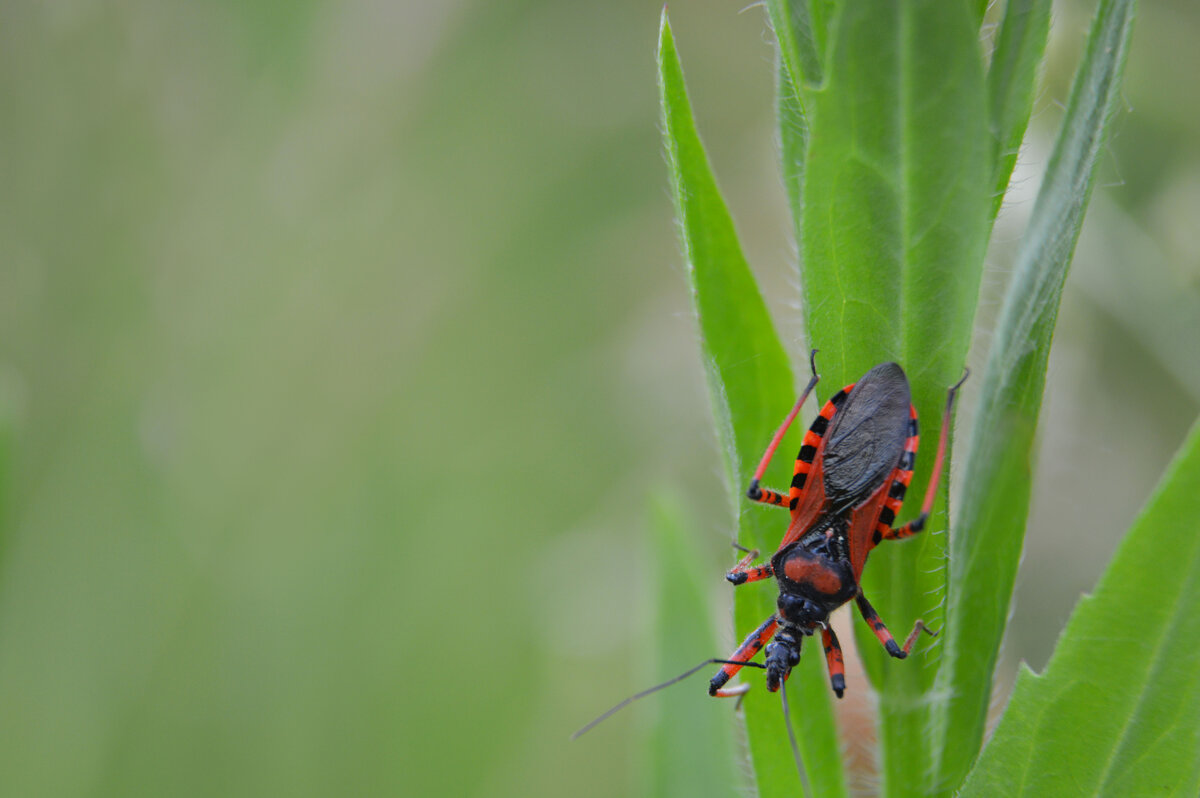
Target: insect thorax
<point>813,574</point>
<point>828,537</point>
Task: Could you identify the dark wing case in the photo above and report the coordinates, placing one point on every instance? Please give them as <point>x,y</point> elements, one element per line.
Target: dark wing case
<point>866,439</point>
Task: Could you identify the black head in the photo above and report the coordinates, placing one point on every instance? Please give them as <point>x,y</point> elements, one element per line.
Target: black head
<point>800,611</point>
<point>783,654</point>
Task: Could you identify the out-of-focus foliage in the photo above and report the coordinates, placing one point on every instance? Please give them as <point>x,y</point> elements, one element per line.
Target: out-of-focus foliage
<point>342,340</point>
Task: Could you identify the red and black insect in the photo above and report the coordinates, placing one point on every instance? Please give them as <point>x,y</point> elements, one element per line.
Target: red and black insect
<point>848,486</point>
<point>847,489</point>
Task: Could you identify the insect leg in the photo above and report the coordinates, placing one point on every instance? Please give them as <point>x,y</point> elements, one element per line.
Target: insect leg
<point>833,658</point>
<point>742,573</point>
<point>754,491</point>
<point>918,627</point>
<point>918,523</point>
<point>766,495</point>
<point>881,631</point>
<point>738,659</point>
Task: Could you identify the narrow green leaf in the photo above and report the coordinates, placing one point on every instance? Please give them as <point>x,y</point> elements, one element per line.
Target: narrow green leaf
<point>749,372</point>
<point>1011,81</point>
<point>751,385</point>
<point>802,32</point>
<point>979,8</point>
<point>990,518</point>
<point>800,45</point>
<point>793,144</point>
<point>690,745</point>
<point>896,216</point>
<point>1117,711</point>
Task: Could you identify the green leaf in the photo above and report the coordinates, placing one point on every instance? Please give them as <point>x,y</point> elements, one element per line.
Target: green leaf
<point>989,523</point>
<point>1117,711</point>
<point>793,144</point>
<point>751,386</point>
<point>802,32</point>
<point>1011,80</point>
<point>896,216</point>
<point>700,761</point>
<point>979,9</point>
<point>801,45</point>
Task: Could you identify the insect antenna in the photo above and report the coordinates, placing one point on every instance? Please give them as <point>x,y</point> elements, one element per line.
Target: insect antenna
<point>658,687</point>
<point>787,719</point>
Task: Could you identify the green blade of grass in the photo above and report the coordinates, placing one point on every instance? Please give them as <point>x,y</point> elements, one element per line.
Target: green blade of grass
<point>1011,80</point>
<point>1117,711</point>
<point>751,385</point>
<point>990,518</point>
<point>896,216</point>
<point>690,745</point>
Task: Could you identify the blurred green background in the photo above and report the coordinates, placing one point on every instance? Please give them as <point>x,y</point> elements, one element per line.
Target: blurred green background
<point>343,345</point>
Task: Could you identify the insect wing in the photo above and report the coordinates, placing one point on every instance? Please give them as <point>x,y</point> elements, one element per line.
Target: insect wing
<point>863,534</point>
<point>808,510</point>
<point>866,438</point>
<point>807,494</point>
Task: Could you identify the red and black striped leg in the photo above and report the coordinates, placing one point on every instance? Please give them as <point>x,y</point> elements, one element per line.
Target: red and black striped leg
<point>743,572</point>
<point>833,658</point>
<point>881,631</point>
<point>757,493</point>
<point>766,495</point>
<point>740,575</point>
<point>738,659</point>
<point>918,523</point>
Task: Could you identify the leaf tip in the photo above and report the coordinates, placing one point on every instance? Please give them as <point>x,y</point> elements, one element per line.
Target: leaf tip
<point>664,32</point>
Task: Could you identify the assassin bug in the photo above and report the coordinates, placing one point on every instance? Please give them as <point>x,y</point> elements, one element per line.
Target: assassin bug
<point>847,488</point>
